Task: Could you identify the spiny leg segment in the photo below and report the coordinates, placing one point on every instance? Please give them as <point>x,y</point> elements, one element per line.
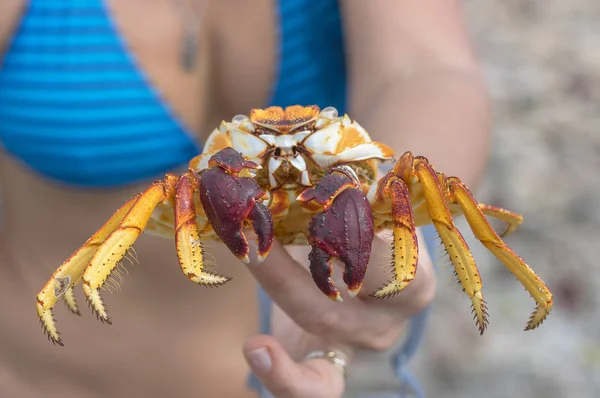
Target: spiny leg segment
<point>444,198</point>
<point>405,246</point>
<point>458,250</point>
<point>187,237</point>
<point>70,272</point>
<point>427,195</point>
<point>116,245</point>
<point>95,261</point>
<point>490,239</point>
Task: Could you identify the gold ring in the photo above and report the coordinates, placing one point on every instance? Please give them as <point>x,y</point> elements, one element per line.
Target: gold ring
<point>339,362</point>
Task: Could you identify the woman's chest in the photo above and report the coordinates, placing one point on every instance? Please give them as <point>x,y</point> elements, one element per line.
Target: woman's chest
<point>205,60</point>
<point>209,59</point>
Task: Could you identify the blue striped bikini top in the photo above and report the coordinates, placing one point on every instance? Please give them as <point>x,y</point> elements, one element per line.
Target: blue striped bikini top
<point>76,108</point>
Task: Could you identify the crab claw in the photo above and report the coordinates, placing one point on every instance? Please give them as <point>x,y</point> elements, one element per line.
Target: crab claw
<point>344,230</point>
<point>229,201</point>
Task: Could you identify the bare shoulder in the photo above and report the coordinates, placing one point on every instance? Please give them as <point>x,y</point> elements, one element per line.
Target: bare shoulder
<point>10,12</point>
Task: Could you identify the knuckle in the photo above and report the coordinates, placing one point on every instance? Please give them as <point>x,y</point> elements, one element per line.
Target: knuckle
<point>321,324</point>
<point>381,340</point>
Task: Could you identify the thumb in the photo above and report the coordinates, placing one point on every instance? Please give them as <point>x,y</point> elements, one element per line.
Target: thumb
<point>284,378</point>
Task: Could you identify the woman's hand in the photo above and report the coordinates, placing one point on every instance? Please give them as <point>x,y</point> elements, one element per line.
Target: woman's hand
<point>305,320</point>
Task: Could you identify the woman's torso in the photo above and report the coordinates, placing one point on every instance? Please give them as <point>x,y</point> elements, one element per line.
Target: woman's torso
<point>168,335</point>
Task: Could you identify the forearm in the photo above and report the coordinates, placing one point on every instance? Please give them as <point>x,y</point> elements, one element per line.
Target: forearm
<point>442,115</point>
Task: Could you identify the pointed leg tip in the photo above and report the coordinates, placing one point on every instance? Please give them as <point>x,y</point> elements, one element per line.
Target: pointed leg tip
<point>54,337</point>
<point>102,318</point>
<point>74,311</point>
<point>483,326</point>
<point>95,302</point>
<point>388,291</point>
<point>538,316</point>
<point>245,259</point>
<point>49,325</point>
<point>532,325</point>
<point>209,279</point>
<point>480,311</point>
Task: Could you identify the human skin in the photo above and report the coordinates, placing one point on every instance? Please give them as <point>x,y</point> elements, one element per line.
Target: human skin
<point>169,337</point>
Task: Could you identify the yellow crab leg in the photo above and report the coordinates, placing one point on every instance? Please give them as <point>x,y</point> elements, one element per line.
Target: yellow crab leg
<point>158,228</point>
<point>112,250</point>
<point>512,220</point>
<point>70,272</point>
<point>488,237</point>
<point>189,247</point>
<point>455,245</point>
<point>405,248</point>
<point>69,298</point>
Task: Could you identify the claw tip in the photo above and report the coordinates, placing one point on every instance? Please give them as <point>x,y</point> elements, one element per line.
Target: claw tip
<point>260,257</point>
<point>336,297</point>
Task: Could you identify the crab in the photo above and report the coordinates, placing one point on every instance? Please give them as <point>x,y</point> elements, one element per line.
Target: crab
<point>301,175</point>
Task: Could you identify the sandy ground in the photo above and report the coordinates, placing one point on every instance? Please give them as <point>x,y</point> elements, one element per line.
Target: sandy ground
<point>542,63</point>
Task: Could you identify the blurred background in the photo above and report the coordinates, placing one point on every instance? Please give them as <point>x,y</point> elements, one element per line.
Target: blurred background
<point>542,65</point>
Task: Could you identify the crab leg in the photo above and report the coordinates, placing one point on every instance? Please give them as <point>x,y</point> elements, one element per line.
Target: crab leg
<point>405,247</point>
<point>488,237</point>
<point>187,237</point>
<point>70,272</point>
<point>512,220</point>
<point>112,250</point>
<point>455,245</point>
<point>70,301</point>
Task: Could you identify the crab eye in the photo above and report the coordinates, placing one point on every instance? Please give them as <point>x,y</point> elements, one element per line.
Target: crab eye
<point>239,119</point>
<point>330,113</point>
<point>326,116</point>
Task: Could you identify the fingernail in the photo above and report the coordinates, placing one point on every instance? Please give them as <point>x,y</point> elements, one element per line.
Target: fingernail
<point>260,360</point>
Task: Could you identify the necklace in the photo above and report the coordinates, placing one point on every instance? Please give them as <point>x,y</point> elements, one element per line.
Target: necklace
<point>188,52</point>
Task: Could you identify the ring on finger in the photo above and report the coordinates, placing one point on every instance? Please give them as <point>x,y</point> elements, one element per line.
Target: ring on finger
<point>337,360</point>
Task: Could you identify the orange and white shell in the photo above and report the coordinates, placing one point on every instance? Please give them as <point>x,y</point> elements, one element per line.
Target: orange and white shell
<point>306,139</point>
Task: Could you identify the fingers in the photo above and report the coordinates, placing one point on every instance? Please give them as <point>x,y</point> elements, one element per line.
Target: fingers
<point>364,322</point>
<point>284,378</point>
<point>286,281</point>
<point>419,292</point>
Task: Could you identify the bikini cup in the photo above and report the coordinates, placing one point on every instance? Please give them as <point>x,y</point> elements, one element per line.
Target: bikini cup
<point>74,106</point>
